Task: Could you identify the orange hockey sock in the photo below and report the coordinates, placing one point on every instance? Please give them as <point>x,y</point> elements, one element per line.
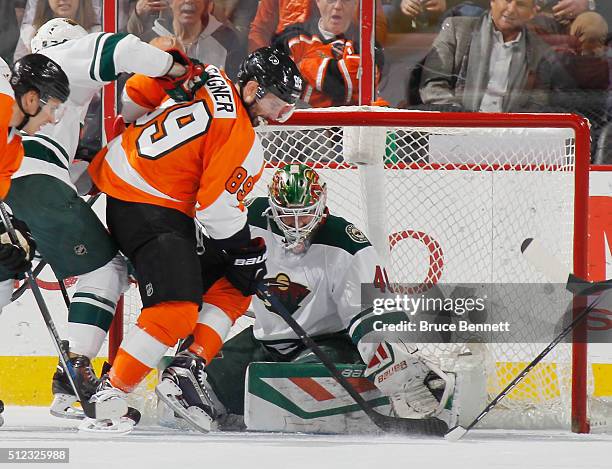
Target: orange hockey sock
<point>158,328</point>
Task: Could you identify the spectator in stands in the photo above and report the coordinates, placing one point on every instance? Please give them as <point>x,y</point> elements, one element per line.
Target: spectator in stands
<point>240,13</point>
<point>557,16</point>
<point>406,16</point>
<point>202,35</point>
<point>326,51</point>
<point>273,16</point>
<point>11,12</point>
<point>30,9</point>
<point>81,11</point>
<point>492,63</point>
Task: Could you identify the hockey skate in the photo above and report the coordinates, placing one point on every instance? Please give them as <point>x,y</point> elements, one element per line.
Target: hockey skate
<point>1,410</point>
<point>185,390</point>
<point>114,417</point>
<point>63,395</point>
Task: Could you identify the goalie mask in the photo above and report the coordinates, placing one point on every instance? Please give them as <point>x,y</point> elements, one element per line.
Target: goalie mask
<point>297,201</point>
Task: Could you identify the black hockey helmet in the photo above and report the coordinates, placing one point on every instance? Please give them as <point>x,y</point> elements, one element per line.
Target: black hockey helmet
<point>275,72</point>
<point>41,74</point>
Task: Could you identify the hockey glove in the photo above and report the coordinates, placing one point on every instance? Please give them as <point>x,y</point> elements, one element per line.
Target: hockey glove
<point>416,387</point>
<point>246,266</point>
<point>17,258</point>
<point>184,78</point>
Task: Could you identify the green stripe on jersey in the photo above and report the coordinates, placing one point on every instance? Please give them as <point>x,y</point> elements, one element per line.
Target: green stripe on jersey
<point>92,67</point>
<point>107,61</point>
<point>34,147</point>
<point>102,66</point>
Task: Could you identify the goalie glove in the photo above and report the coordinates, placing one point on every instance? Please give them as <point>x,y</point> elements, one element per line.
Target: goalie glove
<point>416,387</point>
<point>17,258</point>
<point>246,266</point>
<point>184,78</point>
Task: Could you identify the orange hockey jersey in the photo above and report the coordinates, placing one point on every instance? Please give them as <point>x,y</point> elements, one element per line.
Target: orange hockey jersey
<point>11,149</point>
<point>200,157</point>
<point>329,66</point>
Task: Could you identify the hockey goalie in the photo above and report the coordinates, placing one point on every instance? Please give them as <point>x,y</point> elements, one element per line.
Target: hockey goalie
<point>317,263</point>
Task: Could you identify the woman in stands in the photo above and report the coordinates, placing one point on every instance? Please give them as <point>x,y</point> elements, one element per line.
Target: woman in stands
<point>81,11</point>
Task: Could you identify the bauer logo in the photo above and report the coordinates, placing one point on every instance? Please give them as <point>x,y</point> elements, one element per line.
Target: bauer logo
<point>251,261</point>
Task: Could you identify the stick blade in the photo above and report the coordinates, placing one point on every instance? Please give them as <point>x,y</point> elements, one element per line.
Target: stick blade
<point>407,426</point>
<point>455,433</point>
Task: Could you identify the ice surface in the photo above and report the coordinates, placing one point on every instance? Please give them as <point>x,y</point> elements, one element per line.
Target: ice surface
<point>159,447</point>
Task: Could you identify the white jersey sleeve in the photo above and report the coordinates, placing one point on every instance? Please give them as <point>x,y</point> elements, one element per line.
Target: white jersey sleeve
<point>98,58</point>
<point>89,62</point>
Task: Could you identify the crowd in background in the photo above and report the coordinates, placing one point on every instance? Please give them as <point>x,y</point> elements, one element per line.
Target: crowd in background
<point>451,55</point>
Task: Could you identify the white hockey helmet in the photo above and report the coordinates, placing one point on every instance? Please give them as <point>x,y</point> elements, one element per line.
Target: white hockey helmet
<point>56,31</point>
<point>5,70</point>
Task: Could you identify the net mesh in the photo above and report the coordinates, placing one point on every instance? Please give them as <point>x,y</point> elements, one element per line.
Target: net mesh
<point>444,204</point>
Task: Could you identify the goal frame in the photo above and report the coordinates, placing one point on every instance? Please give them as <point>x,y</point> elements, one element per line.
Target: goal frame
<point>417,119</point>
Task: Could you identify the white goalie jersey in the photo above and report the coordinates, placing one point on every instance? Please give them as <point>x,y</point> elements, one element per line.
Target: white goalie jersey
<point>90,63</point>
<point>321,288</point>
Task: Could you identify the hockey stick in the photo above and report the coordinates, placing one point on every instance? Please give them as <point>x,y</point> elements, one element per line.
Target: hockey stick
<point>24,286</point>
<point>89,409</point>
<point>430,426</point>
<point>537,255</point>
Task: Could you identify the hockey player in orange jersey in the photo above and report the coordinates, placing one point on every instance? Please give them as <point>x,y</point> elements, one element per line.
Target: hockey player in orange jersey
<point>177,161</point>
<point>31,96</point>
<point>326,51</point>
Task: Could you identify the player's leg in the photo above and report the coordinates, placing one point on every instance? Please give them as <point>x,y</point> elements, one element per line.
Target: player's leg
<point>184,387</point>
<point>74,242</point>
<point>218,393</point>
<point>161,245</point>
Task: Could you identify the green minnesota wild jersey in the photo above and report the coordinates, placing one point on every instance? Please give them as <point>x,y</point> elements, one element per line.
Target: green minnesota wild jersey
<point>321,287</point>
<point>89,62</point>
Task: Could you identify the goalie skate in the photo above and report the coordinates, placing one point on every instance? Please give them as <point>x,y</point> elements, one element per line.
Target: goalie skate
<point>185,391</point>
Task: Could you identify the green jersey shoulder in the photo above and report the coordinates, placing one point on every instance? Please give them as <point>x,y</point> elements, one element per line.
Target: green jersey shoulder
<point>335,231</point>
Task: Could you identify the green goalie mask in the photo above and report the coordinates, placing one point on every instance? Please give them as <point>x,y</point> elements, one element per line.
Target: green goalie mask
<point>297,200</point>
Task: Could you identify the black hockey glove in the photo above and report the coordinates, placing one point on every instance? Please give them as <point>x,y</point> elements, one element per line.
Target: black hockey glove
<point>246,266</point>
<point>16,258</point>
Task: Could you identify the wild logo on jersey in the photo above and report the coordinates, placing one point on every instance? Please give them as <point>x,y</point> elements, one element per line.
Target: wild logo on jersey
<point>289,293</point>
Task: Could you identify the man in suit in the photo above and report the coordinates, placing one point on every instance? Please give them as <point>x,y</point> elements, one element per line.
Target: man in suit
<point>492,63</point>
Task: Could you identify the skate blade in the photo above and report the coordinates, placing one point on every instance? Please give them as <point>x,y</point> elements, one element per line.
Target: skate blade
<point>168,391</point>
<point>106,427</point>
<point>62,407</point>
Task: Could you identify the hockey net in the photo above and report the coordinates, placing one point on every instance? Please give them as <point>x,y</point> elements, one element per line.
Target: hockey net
<point>449,198</point>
